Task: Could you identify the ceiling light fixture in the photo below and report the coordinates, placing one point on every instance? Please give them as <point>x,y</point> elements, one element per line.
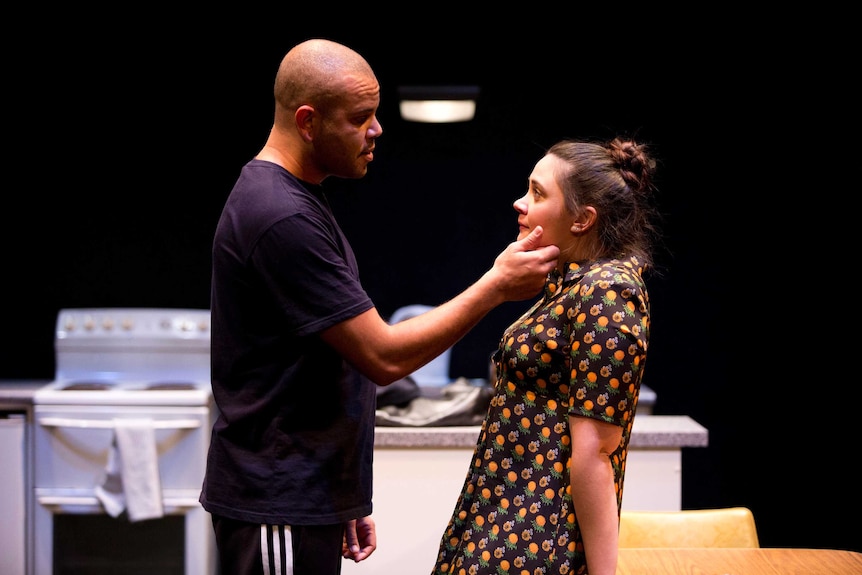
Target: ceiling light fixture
<point>438,104</point>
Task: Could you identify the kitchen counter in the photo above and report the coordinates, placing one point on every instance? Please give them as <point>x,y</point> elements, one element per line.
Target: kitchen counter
<point>19,392</point>
<point>432,462</point>
<point>649,431</point>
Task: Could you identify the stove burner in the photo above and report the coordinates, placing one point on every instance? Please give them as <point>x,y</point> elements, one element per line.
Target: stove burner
<point>171,385</point>
<point>108,385</point>
<point>86,386</point>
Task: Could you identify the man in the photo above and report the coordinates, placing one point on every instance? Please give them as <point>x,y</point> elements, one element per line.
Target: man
<point>297,344</point>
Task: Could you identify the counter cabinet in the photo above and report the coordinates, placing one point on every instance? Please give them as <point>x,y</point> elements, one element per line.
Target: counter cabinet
<point>419,472</point>
<point>16,481</point>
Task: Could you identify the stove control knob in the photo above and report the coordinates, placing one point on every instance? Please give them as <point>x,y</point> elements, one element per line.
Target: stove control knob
<point>108,323</point>
<point>127,324</point>
<point>89,324</point>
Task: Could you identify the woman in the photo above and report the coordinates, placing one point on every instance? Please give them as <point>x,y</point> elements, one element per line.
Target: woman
<point>544,490</point>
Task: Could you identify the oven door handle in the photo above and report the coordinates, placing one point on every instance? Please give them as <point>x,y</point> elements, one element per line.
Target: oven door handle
<point>172,503</point>
<point>109,424</point>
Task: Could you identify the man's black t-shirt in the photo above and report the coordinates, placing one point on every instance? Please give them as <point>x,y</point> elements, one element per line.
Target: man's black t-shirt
<point>294,438</point>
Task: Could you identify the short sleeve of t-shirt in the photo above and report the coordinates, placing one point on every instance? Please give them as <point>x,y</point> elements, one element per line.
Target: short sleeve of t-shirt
<point>311,270</point>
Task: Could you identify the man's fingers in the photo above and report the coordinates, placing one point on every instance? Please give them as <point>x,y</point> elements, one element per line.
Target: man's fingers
<point>551,253</point>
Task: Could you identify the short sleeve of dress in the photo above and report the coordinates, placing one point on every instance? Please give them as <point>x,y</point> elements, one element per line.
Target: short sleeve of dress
<point>608,342</point>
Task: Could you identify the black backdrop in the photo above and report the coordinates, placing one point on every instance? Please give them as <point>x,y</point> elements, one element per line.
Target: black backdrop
<point>125,145</point>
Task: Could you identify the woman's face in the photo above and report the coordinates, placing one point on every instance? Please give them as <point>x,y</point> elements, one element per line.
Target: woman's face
<point>544,205</point>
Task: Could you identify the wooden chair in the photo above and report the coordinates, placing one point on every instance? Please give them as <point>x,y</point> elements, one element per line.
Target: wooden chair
<point>725,527</point>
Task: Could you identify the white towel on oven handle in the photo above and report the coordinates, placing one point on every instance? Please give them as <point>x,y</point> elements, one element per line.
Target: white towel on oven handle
<point>133,460</point>
<point>110,491</point>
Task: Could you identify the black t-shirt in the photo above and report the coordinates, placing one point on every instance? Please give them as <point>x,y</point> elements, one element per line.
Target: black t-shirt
<point>293,442</point>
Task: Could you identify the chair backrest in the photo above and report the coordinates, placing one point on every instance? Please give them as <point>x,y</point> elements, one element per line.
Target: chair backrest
<point>724,527</point>
<point>436,372</point>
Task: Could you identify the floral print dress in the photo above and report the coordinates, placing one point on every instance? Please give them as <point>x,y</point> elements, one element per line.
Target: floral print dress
<point>580,351</point>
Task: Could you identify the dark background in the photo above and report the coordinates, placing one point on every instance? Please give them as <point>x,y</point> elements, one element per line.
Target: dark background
<point>123,142</point>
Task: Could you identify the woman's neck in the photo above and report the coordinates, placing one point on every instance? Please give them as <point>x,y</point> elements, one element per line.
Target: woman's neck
<point>582,249</point>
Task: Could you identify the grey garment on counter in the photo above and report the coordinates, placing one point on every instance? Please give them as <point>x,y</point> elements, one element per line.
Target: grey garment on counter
<point>459,403</point>
<point>398,393</point>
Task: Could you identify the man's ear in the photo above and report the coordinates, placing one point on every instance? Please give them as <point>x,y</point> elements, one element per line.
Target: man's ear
<point>304,118</point>
<point>585,220</point>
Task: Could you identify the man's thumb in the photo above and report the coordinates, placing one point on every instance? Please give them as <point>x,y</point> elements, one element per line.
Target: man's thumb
<point>531,242</point>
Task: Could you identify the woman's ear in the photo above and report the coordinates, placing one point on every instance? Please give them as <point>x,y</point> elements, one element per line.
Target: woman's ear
<point>585,220</point>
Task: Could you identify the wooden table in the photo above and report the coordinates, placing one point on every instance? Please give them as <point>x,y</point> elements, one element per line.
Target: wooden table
<point>763,561</point>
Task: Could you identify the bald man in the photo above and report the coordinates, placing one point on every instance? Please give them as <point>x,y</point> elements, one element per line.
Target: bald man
<point>298,346</point>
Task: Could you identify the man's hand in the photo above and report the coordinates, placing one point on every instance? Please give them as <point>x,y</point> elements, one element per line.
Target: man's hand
<point>360,539</point>
<point>521,269</point>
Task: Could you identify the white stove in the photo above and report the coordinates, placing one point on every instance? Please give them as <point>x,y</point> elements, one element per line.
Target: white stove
<point>116,366</point>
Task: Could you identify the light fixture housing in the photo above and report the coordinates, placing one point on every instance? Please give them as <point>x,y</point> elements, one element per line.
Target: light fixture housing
<point>438,104</point>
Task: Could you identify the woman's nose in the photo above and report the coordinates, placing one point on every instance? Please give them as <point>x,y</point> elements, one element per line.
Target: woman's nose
<point>520,205</point>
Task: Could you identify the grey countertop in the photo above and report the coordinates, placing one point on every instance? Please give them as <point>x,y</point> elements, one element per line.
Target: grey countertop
<point>650,431</point>
<point>19,392</point>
